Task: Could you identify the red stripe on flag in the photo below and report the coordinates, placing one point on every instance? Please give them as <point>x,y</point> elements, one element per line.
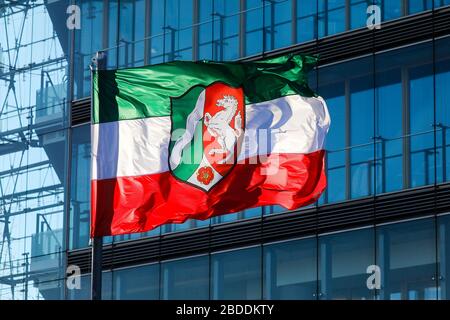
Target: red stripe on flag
<point>138,204</point>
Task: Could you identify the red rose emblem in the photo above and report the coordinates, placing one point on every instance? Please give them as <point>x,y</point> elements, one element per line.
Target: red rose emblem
<point>205,175</point>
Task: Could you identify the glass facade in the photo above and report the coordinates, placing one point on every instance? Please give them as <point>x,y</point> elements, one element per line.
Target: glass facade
<point>390,113</point>
<point>412,256</point>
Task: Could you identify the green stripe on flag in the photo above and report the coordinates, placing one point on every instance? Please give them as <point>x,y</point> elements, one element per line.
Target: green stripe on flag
<point>146,91</point>
<point>192,154</point>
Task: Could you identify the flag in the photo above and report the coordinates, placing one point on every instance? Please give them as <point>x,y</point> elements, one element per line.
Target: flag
<point>191,140</point>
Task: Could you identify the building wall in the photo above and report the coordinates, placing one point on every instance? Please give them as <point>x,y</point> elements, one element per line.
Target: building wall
<point>411,254</point>
<point>390,113</point>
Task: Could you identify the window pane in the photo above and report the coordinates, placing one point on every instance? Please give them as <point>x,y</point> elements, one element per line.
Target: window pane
<point>441,3</point>
<point>84,291</point>
<point>421,110</point>
<point>186,279</point>
<point>156,31</point>
<point>278,24</point>
<point>178,30</point>
<point>405,115</point>
<point>205,30</point>
<point>131,33</point>
<point>358,13</point>
<point>442,81</point>
<point>389,128</point>
<point>236,274</point>
<point>331,17</point>
<point>390,9</point>
<point>88,40</point>
<point>290,270</point>
<point>343,261</point>
<point>444,256</point>
<point>306,20</point>
<point>349,91</point>
<point>226,29</point>
<point>415,6</point>
<point>406,254</point>
<point>253,27</point>
<point>138,283</point>
<point>80,187</point>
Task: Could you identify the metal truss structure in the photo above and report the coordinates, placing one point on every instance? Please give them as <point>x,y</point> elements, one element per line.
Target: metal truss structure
<point>32,104</point>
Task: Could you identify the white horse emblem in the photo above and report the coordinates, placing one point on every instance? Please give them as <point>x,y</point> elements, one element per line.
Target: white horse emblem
<point>219,127</point>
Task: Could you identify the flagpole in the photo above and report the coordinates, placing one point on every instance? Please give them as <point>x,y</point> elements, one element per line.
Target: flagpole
<point>98,63</point>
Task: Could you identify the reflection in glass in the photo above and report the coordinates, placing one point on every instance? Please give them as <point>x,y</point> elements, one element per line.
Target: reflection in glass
<point>136,283</point>
<point>442,82</point>
<point>406,254</point>
<point>444,257</point>
<point>236,274</point>
<point>343,261</point>
<point>290,270</point>
<point>185,279</point>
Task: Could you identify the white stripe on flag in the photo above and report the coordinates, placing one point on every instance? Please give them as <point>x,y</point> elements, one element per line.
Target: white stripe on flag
<point>130,147</point>
<point>291,124</point>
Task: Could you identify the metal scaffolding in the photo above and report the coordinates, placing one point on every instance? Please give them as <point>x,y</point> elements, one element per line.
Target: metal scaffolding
<point>32,110</point>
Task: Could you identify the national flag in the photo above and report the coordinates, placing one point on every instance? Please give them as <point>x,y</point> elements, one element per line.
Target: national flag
<point>191,140</point>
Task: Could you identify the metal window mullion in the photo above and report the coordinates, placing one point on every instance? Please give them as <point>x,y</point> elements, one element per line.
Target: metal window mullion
<point>405,9</point>
<point>347,15</point>
<point>242,28</point>
<point>195,29</point>
<point>133,41</point>
<point>147,32</point>
<point>272,25</point>
<point>347,140</point>
<point>105,23</point>
<point>294,22</point>
<point>406,128</point>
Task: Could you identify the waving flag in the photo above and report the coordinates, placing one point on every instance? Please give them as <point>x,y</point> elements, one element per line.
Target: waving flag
<point>192,140</point>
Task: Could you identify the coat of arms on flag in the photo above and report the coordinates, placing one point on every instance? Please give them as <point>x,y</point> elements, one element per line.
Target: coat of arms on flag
<point>210,129</point>
<point>192,140</point>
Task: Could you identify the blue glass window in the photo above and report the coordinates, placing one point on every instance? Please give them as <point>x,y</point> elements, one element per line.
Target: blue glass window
<point>278,24</point>
<point>185,279</point>
<point>306,20</point>
<point>390,9</point>
<point>178,30</point>
<point>421,110</point>
<point>442,82</point>
<point>361,107</point>
<point>441,3</point>
<point>405,116</point>
<point>290,270</point>
<point>88,40</point>
<point>80,187</point>
<point>112,34</point>
<point>253,27</point>
<point>343,261</point>
<point>84,291</point>
<point>157,30</point>
<point>132,33</point>
<point>332,17</point>
<point>358,13</point>
<point>136,283</point>
<point>406,255</point>
<point>236,274</point>
<point>205,30</point>
<point>415,6</point>
<point>348,90</point>
<point>226,29</point>
<point>444,256</point>
<point>389,125</point>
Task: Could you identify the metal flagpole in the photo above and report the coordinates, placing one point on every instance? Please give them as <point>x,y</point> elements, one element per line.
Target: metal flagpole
<point>98,63</point>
